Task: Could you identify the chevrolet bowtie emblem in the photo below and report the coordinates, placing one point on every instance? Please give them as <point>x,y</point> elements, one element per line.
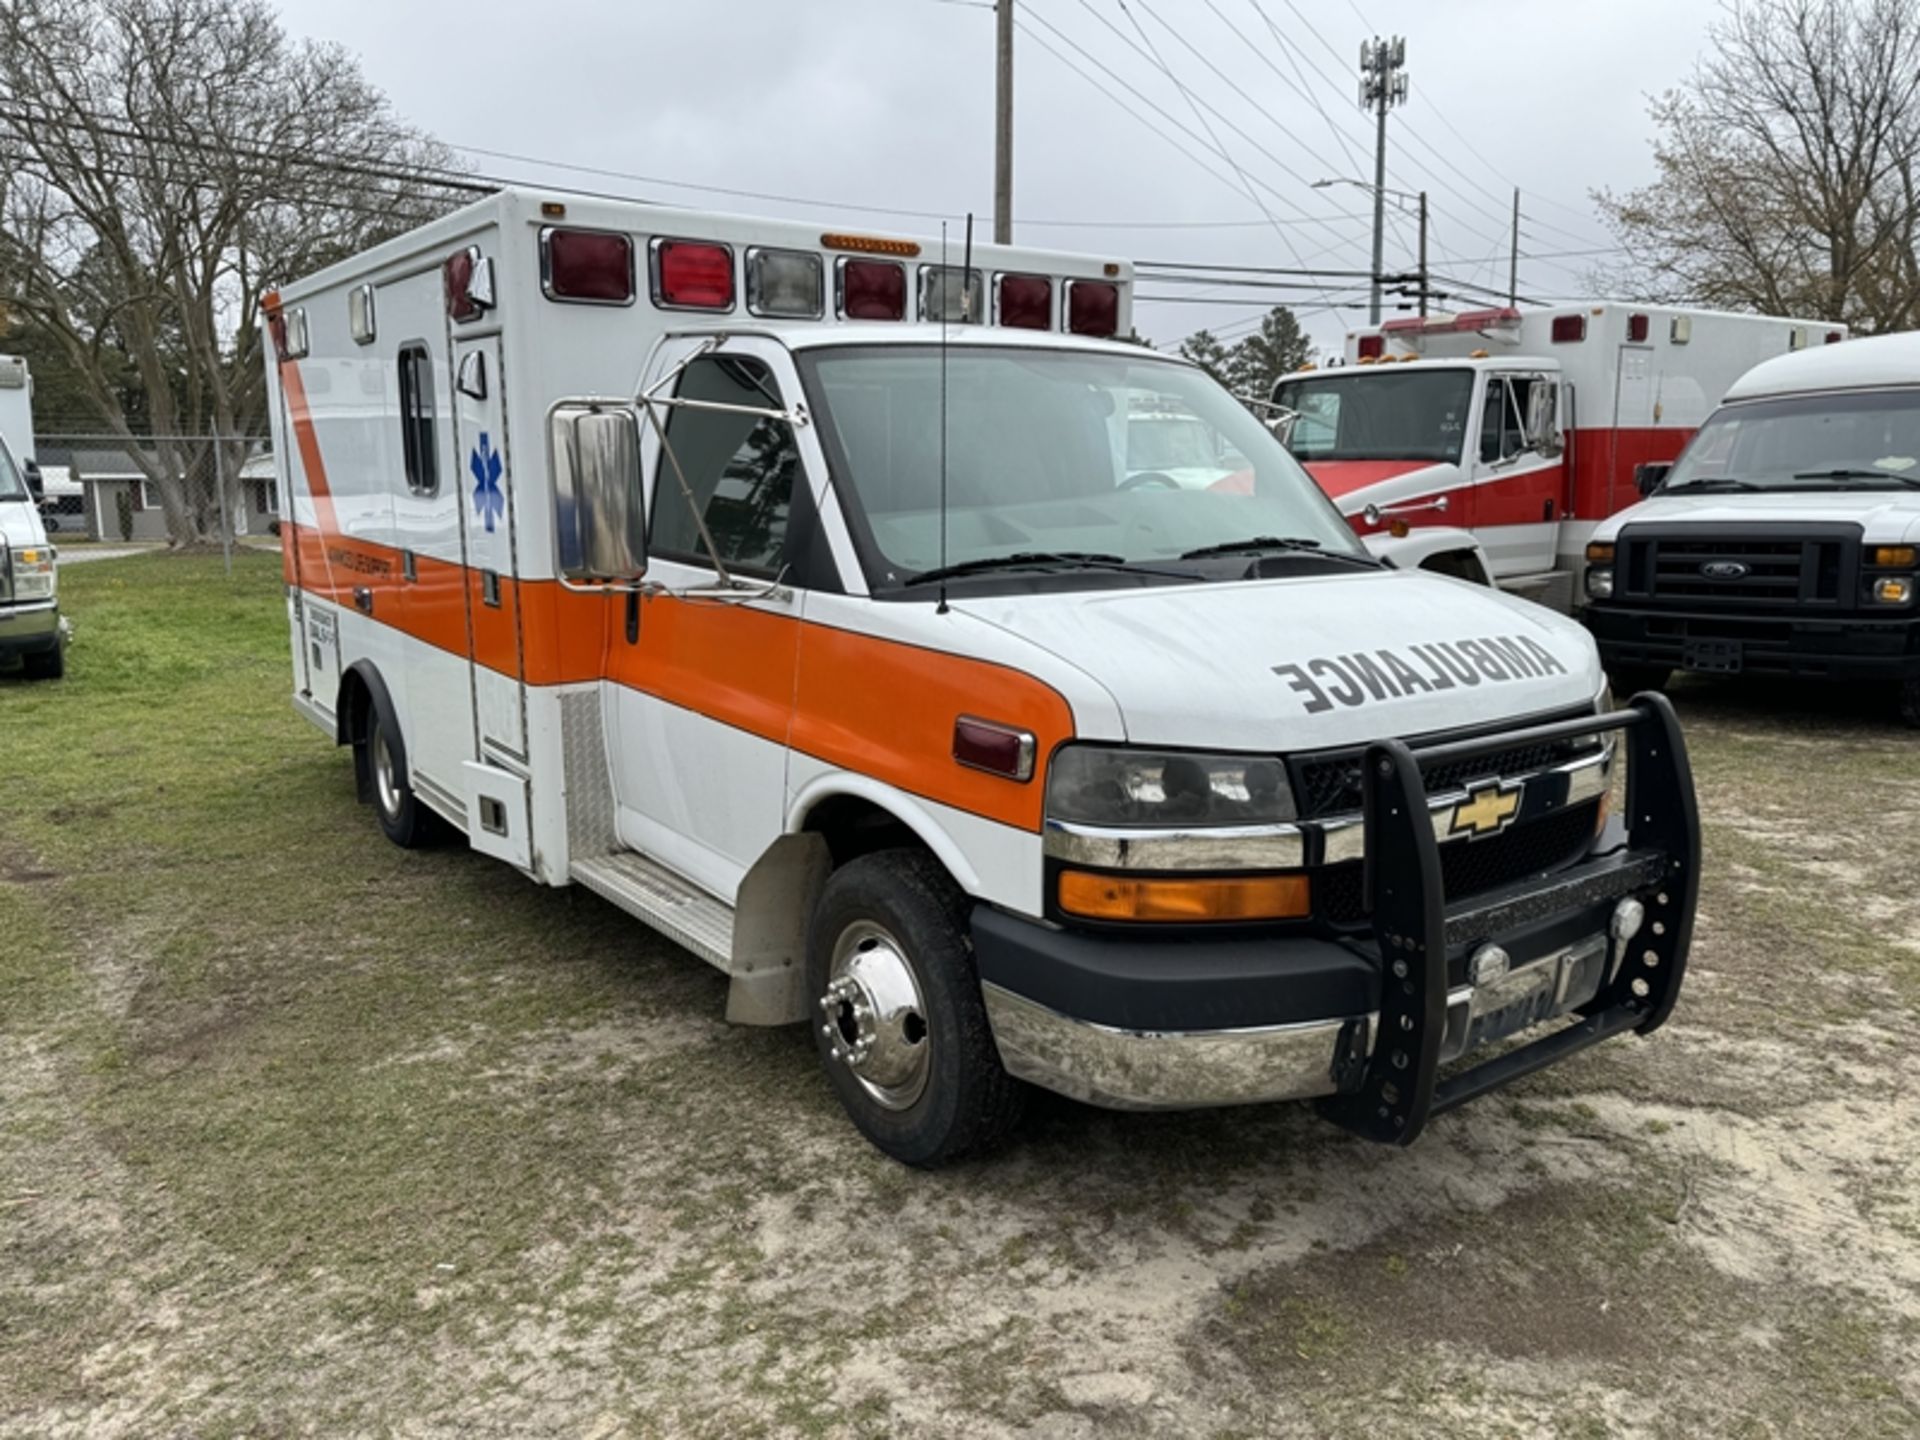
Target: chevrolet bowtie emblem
<point>1487,810</point>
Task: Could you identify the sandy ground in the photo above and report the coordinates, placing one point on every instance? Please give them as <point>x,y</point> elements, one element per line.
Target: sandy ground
<point>324,1178</point>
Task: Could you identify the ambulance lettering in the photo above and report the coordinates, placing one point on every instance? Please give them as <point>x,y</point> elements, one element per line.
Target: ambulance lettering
<point>1364,676</point>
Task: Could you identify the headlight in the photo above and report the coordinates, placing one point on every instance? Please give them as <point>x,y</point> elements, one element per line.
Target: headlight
<point>33,573</point>
<point>1098,785</point>
<point>1600,584</point>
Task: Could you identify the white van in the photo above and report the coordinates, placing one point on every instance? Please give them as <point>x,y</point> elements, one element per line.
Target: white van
<point>1785,540</point>
<point>798,594</point>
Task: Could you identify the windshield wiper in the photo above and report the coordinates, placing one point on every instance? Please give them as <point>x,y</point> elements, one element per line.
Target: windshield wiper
<point>1256,543</point>
<point>1846,473</point>
<point>1714,482</point>
<point>1040,560</point>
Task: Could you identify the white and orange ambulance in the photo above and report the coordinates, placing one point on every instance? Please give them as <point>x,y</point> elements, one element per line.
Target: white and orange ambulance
<point>793,591</point>
<point>1521,427</point>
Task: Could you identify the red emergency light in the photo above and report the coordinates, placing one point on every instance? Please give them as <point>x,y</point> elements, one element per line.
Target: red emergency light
<point>594,267</point>
<point>999,749</point>
<point>1834,337</point>
<point>692,275</point>
<point>456,277</point>
<point>1372,347</point>
<point>872,289</point>
<point>1093,308</point>
<point>1637,328</point>
<point>1569,328</point>
<point>1026,302</point>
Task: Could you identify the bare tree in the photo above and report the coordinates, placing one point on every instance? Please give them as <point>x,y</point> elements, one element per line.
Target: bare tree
<point>1787,168</point>
<point>161,162</point>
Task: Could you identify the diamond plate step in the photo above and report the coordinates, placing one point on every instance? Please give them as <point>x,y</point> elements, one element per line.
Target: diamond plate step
<point>681,911</point>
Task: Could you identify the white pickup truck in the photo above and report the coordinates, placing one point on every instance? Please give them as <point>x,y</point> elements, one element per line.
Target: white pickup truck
<point>1785,540</point>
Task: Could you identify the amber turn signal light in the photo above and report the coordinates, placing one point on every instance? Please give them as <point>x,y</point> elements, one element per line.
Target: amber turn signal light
<point>1124,897</point>
<point>1599,554</point>
<point>1897,556</point>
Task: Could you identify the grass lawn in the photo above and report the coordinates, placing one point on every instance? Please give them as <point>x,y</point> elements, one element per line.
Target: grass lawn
<point>304,1134</point>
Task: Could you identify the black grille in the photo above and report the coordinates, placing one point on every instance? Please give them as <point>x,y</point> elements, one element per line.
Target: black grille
<point>1472,867</point>
<point>1753,568</point>
<point>1332,784</point>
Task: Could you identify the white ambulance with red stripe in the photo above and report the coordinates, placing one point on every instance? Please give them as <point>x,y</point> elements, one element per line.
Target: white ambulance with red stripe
<point>1521,427</point>
<point>798,591</point>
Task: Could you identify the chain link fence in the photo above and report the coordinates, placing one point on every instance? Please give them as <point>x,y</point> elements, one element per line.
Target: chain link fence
<point>183,489</point>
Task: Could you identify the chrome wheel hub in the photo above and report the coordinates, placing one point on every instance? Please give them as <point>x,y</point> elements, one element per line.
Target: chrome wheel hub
<point>386,783</point>
<point>872,1016</point>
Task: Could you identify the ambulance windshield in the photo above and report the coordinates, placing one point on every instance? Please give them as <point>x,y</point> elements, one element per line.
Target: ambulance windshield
<point>1375,414</point>
<point>1807,442</point>
<point>1054,452</point>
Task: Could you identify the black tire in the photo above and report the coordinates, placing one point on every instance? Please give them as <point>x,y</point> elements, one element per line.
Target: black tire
<point>1629,680</point>
<point>966,1102</point>
<point>47,665</point>
<point>1909,697</point>
<point>403,819</point>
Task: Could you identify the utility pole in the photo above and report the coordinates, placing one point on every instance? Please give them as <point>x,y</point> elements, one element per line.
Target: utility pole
<point>1513,255</point>
<point>1383,84</point>
<point>1423,255</point>
<point>1003,125</point>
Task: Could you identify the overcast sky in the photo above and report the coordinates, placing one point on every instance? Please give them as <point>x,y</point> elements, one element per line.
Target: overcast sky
<point>888,104</point>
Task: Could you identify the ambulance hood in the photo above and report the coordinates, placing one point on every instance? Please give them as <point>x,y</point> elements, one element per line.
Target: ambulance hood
<point>1308,663</point>
<point>1886,516</point>
<point>20,524</point>
<point>1355,484</point>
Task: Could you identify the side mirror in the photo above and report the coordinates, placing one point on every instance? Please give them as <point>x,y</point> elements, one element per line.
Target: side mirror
<point>599,506</point>
<point>30,472</point>
<point>1543,427</point>
<point>1650,475</point>
<point>1282,426</point>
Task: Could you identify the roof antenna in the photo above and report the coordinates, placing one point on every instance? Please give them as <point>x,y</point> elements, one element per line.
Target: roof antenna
<point>941,608</point>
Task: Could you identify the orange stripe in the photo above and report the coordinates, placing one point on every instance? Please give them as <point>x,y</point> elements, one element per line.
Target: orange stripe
<point>876,707</point>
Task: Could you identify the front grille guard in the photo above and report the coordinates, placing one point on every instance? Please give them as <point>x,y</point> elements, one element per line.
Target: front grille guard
<point>1391,1095</point>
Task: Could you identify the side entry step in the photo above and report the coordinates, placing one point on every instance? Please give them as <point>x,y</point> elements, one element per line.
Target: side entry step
<point>682,912</point>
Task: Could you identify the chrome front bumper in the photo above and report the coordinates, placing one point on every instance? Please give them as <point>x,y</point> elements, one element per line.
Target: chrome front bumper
<point>29,628</point>
<point>1185,1070</point>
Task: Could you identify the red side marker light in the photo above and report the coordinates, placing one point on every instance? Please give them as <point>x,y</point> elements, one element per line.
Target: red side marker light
<point>1093,308</point>
<point>1026,302</point>
<point>872,290</point>
<point>692,275</point>
<point>995,748</point>
<point>591,266</point>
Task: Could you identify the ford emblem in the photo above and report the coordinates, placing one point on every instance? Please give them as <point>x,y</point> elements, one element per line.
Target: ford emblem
<point>1723,570</point>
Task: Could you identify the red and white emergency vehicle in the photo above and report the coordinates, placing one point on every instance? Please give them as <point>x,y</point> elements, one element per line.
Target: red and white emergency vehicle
<point>801,597</point>
<point>1522,427</point>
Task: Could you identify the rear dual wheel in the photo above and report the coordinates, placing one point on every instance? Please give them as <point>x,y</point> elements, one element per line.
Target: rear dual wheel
<point>898,1018</point>
<point>403,819</point>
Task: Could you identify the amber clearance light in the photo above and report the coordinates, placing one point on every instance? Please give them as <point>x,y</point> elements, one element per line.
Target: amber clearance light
<point>1122,897</point>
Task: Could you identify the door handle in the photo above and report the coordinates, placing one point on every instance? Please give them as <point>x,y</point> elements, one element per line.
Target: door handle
<point>363,599</point>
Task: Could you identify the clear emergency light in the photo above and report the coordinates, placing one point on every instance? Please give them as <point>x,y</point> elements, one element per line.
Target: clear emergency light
<point>1025,301</point>
<point>589,267</point>
<point>942,296</point>
<point>790,284</point>
<point>468,282</point>
<point>1093,308</point>
<point>871,289</point>
<point>692,275</point>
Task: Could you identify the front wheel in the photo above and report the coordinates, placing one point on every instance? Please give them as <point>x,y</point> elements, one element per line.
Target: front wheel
<point>47,665</point>
<point>899,1022</point>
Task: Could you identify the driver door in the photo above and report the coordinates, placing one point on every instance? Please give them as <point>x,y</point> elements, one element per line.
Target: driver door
<point>703,698</point>
<point>1519,483</point>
